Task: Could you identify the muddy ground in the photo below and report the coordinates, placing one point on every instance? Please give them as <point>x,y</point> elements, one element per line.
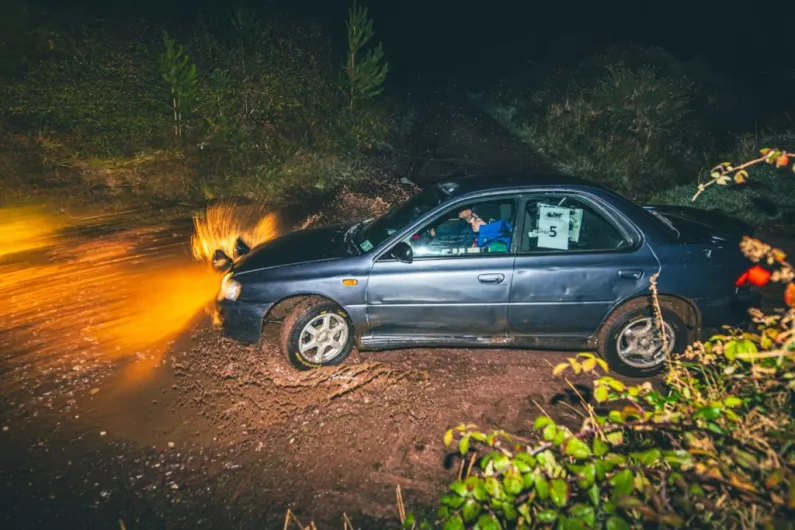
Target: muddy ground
<point>226,436</point>
<point>108,419</point>
<point>202,432</point>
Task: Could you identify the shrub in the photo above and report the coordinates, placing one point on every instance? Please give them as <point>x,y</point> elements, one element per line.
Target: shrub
<point>99,89</point>
<point>631,120</point>
<point>712,447</point>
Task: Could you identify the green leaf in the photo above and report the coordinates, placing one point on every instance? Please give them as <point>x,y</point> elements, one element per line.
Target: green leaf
<point>599,446</point>
<point>487,522</point>
<point>588,474</point>
<point>524,462</point>
<point>732,402</point>
<point>559,437</point>
<point>470,511</point>
<point>409,522</point>
<point>573,524</point>
<point>463,445</point>
<point>622,483</point>
<point>550,431</point>
<point>616,523</point>
<point>542,421</point>
<point>714,427</point>
<point>493,487</point>
<point>584,512</point>
<point>601,394</point>
<point>548,516</point>
<point>577,448</point>
<point>459,488</point>
<point>648,457</point>
<point>615,437</point>
<point>559,492</point>
<point>510,511</point>
<point>448,437</point>
<point>480,492</point>
<point>524,510</point>
<point>602,468</point>
<point>542,487</point>
<point>593,495</point>
<point>513,483</point>
<point>678,457</point>
<point>454,523</point>
<point>615,416</point>
<point>453,501</point>
<point>708,413</point>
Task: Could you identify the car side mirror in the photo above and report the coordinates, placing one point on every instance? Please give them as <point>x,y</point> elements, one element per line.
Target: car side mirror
<point>402,252</point>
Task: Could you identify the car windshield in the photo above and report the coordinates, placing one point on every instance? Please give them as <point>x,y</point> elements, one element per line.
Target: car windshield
<point>375,232</point>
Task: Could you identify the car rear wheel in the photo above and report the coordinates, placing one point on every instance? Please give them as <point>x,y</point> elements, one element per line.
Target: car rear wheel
<point>316,333</point>
<point>632,342</point>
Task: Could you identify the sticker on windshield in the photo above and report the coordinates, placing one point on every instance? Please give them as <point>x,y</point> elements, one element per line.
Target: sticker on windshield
<point>553,227</point>
<point>575,217</point>
<point>366,245</point>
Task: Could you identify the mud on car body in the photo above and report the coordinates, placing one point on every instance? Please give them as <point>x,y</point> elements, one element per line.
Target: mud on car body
<point>573,273</point>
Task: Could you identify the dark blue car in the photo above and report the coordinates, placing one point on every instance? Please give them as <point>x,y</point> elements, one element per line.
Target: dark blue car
<point>531,262</point>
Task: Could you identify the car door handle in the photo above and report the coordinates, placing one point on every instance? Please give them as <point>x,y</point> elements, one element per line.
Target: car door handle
<point>491,278</point>
<point>631,274</point>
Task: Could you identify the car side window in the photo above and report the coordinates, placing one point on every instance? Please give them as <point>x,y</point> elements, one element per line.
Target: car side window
<point>479,228</point>
<point>564,223</point>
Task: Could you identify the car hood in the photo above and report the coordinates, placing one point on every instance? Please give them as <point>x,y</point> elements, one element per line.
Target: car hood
<point>694,224</point>
<point>301,246</point>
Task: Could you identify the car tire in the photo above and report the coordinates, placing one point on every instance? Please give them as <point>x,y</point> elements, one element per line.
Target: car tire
<point>331,325</point>
<point>630,336</point>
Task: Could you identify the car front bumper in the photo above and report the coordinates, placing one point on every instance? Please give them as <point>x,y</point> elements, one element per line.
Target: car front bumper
<point>242,321</point>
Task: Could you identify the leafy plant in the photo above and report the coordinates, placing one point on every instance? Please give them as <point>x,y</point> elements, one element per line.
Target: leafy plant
<point>726,173</point>
<point>713,448</point>
<point>365,75</point>
<point>180,74</point>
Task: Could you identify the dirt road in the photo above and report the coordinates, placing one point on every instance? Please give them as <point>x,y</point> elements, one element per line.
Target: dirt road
<point>123,406</point>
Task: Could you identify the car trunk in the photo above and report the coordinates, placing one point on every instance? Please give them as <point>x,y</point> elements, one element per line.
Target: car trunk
<point>695,225</point>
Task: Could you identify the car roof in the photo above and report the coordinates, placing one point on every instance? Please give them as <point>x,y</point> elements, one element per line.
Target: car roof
<point>510,181</point>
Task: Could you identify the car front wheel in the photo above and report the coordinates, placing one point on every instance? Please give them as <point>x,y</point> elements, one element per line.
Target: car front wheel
<point>632,342</point>
<point>316,333</point>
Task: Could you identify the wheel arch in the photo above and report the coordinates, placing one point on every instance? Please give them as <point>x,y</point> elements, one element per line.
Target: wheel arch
<point>683,306</point>
<point>282,308</point>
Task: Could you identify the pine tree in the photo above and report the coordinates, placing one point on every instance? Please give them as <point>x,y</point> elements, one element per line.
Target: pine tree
<point>365,75</point>
<point>179,73</point>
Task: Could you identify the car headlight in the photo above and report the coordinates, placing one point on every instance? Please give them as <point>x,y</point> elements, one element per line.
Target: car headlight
<point>230,289</point>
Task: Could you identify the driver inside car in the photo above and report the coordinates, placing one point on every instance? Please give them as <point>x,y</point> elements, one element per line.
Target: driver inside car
<point>492,236</point>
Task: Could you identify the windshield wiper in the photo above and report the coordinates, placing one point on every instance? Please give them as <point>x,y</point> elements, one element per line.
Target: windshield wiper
<point>350,236</point>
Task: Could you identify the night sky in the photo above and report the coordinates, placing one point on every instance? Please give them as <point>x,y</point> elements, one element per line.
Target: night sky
<point>444,42</point>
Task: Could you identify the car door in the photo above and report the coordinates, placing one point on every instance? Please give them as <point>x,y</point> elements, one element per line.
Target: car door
<point>451,288</point>
<point>577,258</point>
